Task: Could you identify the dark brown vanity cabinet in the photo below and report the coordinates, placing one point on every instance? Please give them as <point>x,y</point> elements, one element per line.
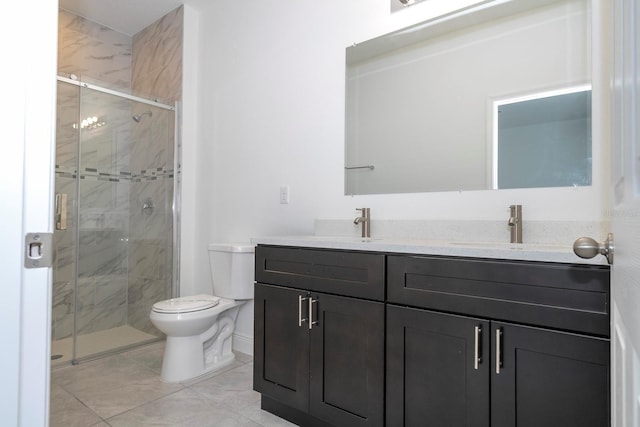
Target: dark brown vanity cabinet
<point>437,369</point>
<point>319,357</point>
<point>549,378</point>
<point>347,338</point>
<point>284,374</point>
<point>447,369</point>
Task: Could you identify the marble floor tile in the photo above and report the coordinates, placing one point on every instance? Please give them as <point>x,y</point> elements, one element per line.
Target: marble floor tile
<point>108,373</point>
<point>113,385</point>
<point>183,408</point>
<point>109,402</point>
<point>67,411</point>
<point>243,358</point>
<point>264,418</point>
<point>232,389</point>
<point>235,364</point>
<point>126,390</point>
<point>149,356</point>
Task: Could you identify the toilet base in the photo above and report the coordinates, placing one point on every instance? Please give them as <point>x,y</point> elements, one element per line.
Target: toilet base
<point>186,358</point>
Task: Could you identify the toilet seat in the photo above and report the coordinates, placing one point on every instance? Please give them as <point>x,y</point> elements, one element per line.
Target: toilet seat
<point>186,304</point>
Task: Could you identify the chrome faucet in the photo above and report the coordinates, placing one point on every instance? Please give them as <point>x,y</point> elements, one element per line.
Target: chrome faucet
<point>515,223</point>
<point>365,220</point>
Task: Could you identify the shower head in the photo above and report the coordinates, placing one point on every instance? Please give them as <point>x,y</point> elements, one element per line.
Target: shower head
<point>138,117</point>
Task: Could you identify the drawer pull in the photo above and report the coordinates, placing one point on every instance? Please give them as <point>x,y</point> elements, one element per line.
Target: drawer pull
<point>477,355</point>
<point>300,319</point>
<point>498,350</point>
<point>311,321</point>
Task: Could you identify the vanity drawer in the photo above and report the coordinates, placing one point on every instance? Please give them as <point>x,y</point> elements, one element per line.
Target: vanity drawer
<point>354,274</point>
<point>570,297</point>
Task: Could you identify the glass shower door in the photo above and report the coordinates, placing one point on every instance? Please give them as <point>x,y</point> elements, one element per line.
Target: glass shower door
<point>121,243</point>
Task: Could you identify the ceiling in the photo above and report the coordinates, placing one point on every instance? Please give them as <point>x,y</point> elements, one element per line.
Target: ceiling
<point>125,16</point>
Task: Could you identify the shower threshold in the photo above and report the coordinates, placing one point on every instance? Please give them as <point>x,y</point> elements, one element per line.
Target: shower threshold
<point>99,342</point>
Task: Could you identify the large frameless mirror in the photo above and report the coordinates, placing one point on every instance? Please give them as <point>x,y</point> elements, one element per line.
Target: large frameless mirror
<point>420,101</point>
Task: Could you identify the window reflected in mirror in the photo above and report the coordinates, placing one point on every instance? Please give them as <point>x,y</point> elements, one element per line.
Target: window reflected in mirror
<point>543,140</point>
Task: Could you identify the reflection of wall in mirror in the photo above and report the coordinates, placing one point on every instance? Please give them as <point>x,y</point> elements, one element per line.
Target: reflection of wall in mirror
<point>421,114</point>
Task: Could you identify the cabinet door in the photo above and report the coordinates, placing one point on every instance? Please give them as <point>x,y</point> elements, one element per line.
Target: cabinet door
<point>548,378</point>
<point>433,375</point>
<point>347,361</point>
<point>281,353</point>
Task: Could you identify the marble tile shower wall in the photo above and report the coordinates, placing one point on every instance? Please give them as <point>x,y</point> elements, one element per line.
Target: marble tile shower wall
<point>124,261</point>
<point>91,50</point>
<point>157,59</point>
<point>156,73</point>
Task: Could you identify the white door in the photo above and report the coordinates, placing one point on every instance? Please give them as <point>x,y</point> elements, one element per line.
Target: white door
<point>625,219</point>
<point>27,115</point>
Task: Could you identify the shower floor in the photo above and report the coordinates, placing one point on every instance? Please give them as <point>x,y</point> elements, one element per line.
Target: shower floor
<point>98,342</point>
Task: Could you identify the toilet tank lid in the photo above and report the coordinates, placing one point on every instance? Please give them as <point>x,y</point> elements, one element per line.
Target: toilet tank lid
<point>232,247</point>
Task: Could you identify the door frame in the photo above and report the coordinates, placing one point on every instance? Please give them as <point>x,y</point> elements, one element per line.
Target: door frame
<point>29,88</point>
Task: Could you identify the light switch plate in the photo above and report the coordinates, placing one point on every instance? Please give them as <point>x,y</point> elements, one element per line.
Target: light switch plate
<point>284,195</point>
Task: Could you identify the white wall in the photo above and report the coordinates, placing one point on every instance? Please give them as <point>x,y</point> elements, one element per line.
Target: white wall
<point>271,113</point>
<point>190,254</point>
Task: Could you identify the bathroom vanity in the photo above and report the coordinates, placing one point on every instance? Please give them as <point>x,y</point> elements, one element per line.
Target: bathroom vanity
<point>359,333</point>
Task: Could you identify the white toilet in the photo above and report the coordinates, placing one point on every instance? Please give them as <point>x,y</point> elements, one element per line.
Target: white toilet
<point>199,328</point>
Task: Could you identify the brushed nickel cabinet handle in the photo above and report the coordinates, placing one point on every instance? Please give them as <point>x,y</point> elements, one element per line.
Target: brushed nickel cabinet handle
<point>300,319</point>
<point>498,350</point>
<point>311,321</point>
<point>477,357</point>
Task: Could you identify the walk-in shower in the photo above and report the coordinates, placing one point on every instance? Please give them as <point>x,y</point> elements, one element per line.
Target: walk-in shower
<point>114,241</point>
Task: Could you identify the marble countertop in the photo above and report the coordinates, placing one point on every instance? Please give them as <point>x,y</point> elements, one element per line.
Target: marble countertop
<point>494,250</point>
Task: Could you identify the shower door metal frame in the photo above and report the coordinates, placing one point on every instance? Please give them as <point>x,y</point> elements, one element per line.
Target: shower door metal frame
<point>116,93</point>
<point>177,198</point>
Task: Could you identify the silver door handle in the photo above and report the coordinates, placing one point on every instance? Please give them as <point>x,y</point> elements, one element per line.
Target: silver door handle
<point>300,319</point>
<point>498,350</point>
<point>477,358</point>
<point>586,247</point>
<point>311,321</point>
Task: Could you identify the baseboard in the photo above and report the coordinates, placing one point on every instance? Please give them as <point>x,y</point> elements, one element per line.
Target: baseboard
<point>243,343</point>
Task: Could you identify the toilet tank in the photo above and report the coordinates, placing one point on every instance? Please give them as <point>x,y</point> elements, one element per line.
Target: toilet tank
<point>232,269</point>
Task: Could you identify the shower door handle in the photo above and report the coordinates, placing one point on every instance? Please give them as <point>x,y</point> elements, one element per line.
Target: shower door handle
<point>61,211</point>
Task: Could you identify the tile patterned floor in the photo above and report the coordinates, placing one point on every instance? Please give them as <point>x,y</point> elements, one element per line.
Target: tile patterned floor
<point>125,390</point>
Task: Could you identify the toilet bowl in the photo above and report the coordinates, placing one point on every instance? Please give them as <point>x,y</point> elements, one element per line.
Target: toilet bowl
<point>199,328</point>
